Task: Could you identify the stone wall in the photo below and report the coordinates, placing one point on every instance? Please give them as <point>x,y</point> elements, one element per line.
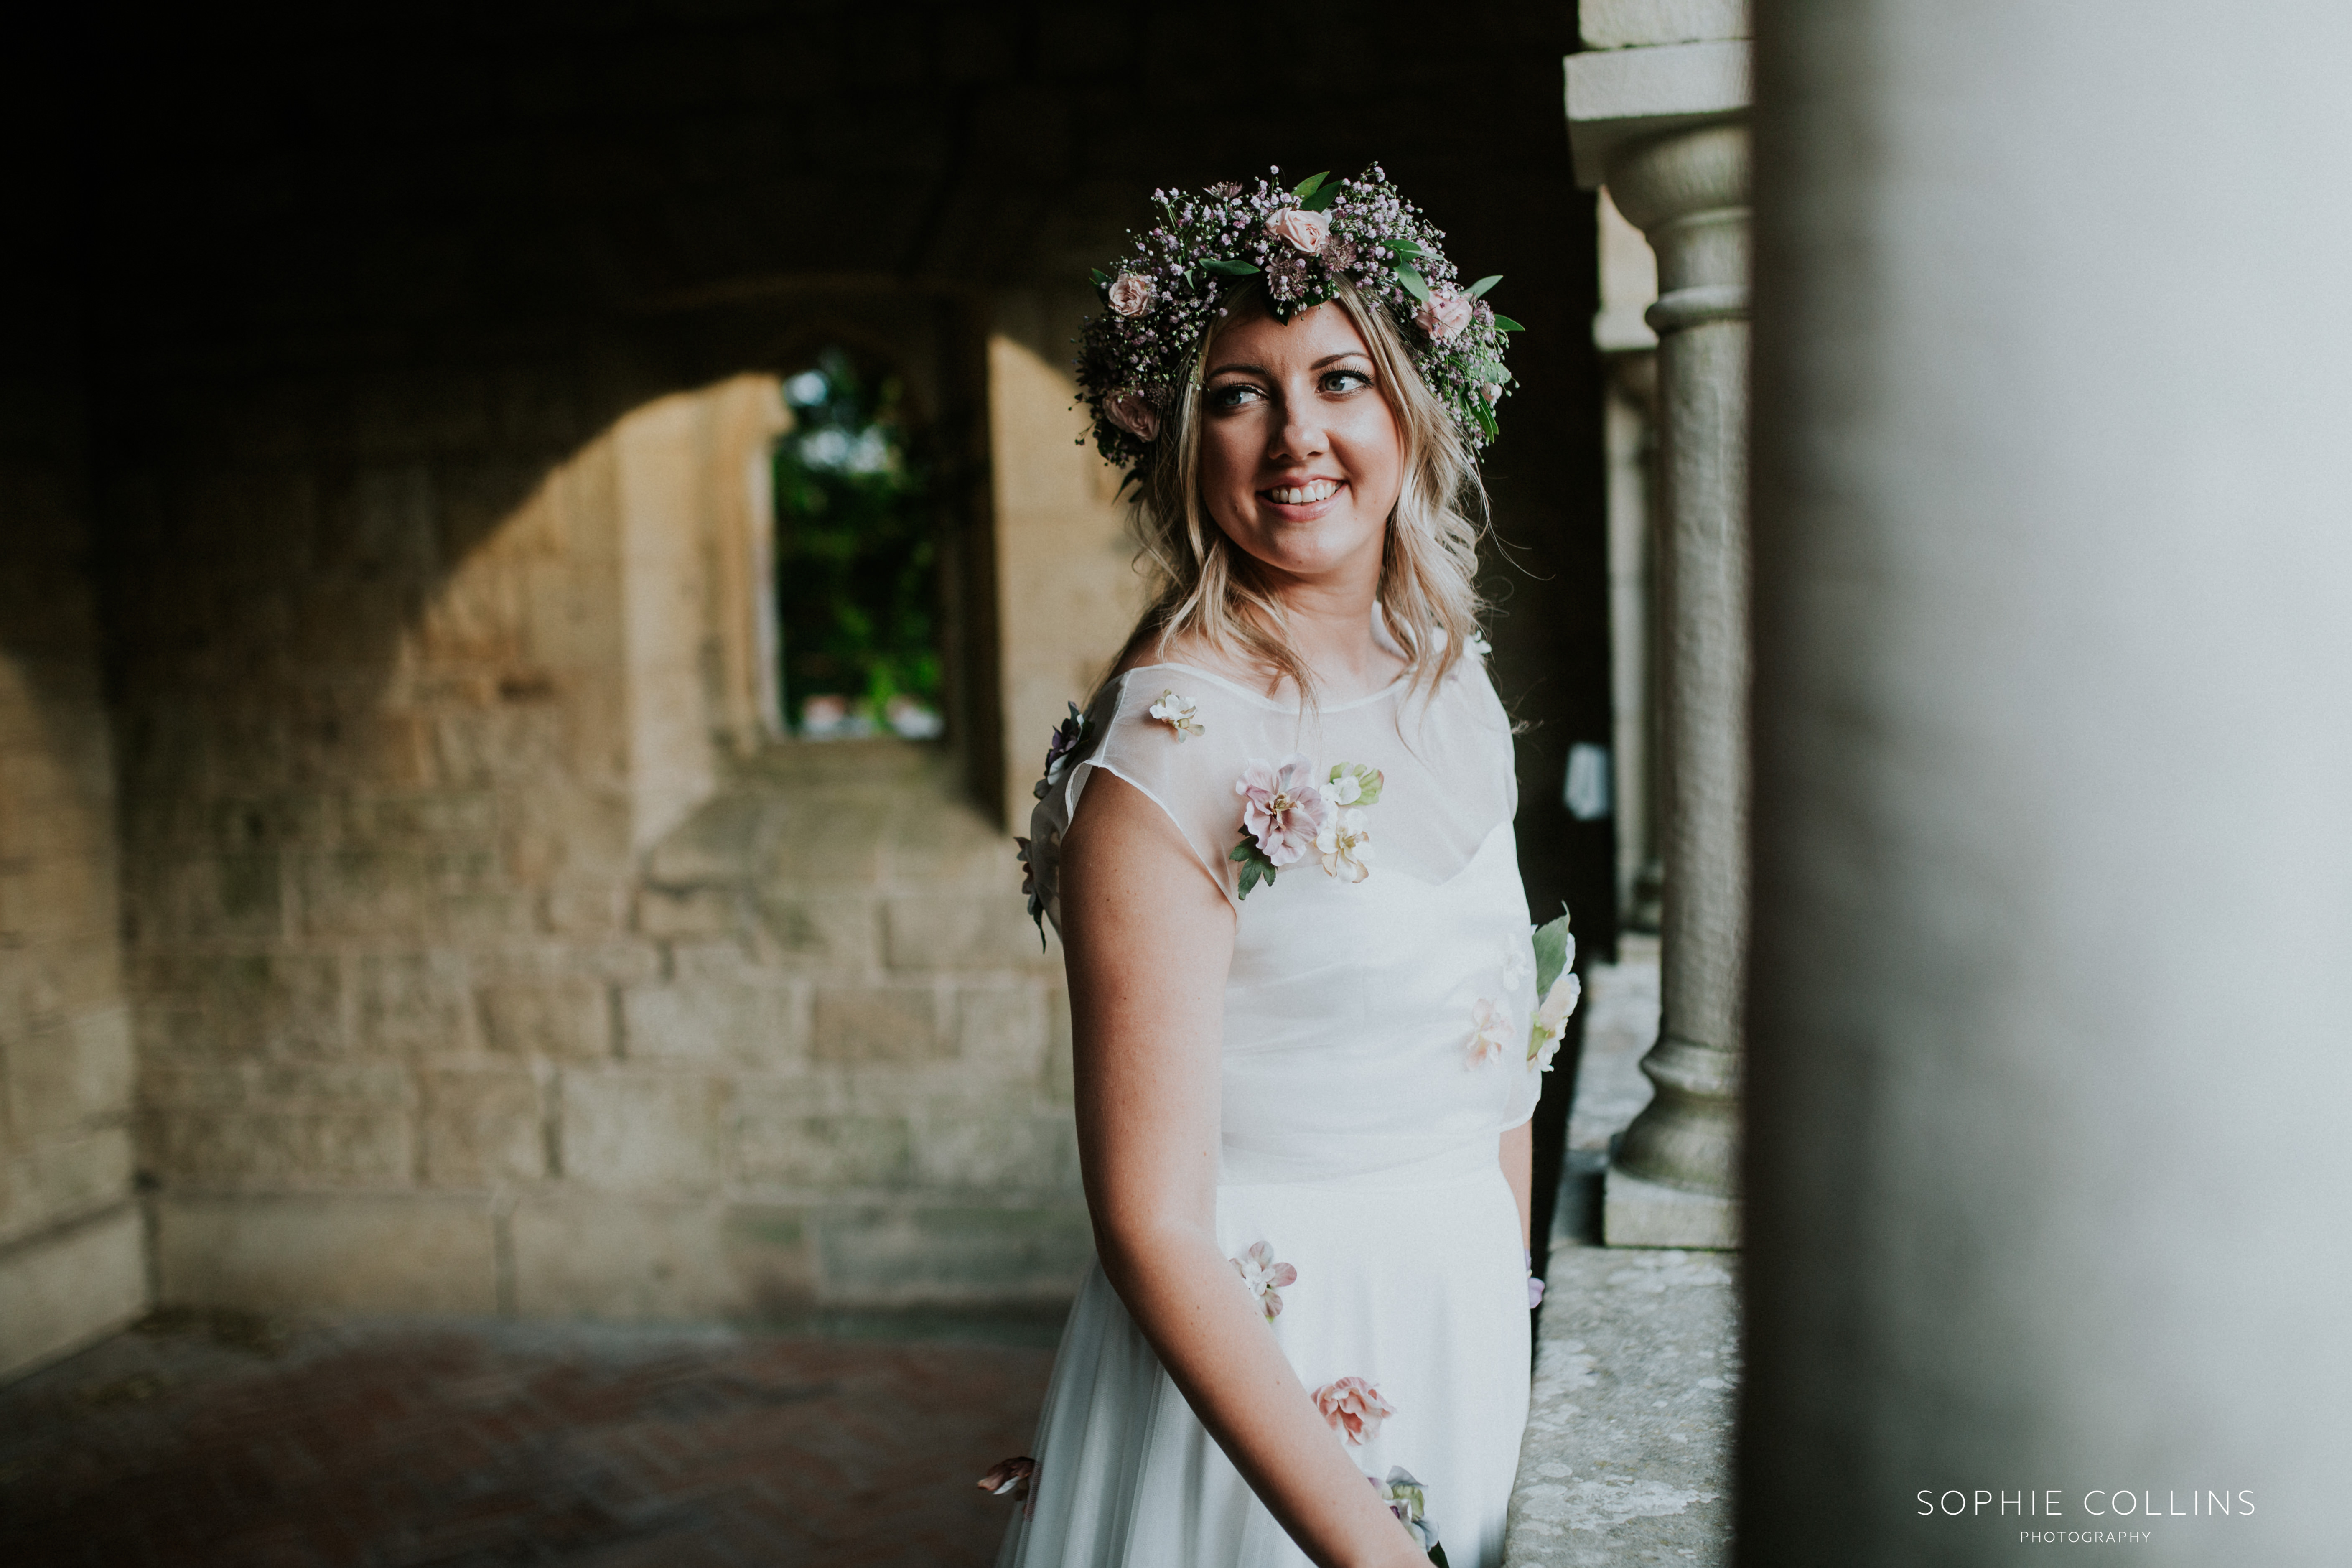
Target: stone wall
<point>72,1262</point>
<point>554,985</point>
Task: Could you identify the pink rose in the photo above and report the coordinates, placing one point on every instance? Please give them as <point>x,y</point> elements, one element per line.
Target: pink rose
<point>1281,809</point>
<point>1443,317</point>
<point>1305,230</point>
<point>1133,294</point>
<point>1132,412</point>
<point>1354,1409</point>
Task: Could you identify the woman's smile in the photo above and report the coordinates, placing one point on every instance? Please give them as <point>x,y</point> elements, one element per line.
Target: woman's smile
<point>1302,502</point>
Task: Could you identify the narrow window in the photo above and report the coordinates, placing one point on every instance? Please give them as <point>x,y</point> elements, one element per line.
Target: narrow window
<point>857,589</point>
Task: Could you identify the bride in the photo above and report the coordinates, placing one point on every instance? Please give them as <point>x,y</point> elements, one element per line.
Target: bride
<point>1304,997</point>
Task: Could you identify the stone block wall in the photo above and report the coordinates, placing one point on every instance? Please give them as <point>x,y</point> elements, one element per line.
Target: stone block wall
<point>72,1262</point>
<point>504,962</point>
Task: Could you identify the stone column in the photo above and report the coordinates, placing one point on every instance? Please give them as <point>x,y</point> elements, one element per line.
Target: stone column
<point>1662,122</point>
<point>2049,1183</point>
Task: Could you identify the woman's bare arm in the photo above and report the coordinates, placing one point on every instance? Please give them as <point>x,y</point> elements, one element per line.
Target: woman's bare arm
<point>1519,1171</point>
<point>1148,941</point>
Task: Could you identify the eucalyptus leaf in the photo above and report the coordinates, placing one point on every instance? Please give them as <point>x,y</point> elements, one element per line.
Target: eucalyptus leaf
<point>1507,324</point>
<point>1229,268</point>
<point>1483,284</point>
<point>1555,951</point>
<point>1414,284</point>
<point>1305,187</point>
<point>1486,370</point>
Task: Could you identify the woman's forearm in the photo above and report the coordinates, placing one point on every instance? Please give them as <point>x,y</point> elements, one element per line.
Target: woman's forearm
<point>1222,1353</point>
<point>1519,1171</point>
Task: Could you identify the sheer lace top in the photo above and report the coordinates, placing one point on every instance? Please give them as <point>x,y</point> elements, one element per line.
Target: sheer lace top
<point>1378,1010</point>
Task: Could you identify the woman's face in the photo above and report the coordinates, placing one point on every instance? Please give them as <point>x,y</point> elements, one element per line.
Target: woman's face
<point>1301,459</point>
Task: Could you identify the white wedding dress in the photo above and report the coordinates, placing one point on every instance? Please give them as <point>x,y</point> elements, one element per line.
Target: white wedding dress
<point>1375,1048</point>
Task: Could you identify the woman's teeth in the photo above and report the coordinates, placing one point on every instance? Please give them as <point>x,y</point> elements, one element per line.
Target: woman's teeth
<point>1303,495</point>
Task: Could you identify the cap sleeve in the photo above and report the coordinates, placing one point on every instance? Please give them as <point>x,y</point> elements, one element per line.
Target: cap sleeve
<point>1184,758</point>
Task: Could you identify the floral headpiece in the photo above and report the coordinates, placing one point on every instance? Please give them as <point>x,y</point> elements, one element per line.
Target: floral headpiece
<point>1139,356</point>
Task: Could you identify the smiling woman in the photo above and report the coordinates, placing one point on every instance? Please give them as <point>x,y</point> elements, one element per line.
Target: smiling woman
<point>1302,1099</point>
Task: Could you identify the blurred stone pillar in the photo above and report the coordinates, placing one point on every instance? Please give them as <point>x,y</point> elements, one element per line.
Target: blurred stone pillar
<point>1657,111</point>
<point>2048,1176</point>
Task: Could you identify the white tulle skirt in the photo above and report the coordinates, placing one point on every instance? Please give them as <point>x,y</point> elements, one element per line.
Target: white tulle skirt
<point>1411,1280</point>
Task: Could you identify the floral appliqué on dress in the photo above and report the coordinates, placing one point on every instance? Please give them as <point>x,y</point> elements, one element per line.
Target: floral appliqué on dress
<point>1408,1500</point>
<point>1285,814</point>
<point>1058,747</point>
<point>1017,1476</point>
<point>1490,1032</point>
<point>1354,1409</point>
<point>1556,978</point>
<point>1264,1278</point>
<point>1179,714</point>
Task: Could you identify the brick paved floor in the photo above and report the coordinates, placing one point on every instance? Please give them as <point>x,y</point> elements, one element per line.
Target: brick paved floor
<point>224,1440</point>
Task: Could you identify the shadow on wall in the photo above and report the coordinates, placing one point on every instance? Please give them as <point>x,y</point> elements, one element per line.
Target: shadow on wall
<point>489,953</point>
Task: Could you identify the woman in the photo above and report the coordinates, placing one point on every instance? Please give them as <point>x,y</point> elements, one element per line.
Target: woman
<point>1301,982</point>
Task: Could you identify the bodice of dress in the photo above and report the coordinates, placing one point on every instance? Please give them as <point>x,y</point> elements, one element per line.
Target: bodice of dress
<point>1378,1013</point>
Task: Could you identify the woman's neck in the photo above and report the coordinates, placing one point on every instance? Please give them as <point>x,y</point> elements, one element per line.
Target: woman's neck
<point>1337,635</point>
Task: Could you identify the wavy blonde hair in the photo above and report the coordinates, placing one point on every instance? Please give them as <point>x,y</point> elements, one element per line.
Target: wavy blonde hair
<point>1204,586</point>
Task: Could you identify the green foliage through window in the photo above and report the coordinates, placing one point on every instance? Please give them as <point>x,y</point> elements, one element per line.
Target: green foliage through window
<point>856,560</point>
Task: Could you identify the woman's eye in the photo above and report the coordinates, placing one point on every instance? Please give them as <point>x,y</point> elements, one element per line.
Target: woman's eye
<point>1231,395</point>
<point>1346,381</point>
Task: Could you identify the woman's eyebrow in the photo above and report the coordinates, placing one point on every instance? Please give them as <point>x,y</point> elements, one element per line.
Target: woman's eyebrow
<point>1319,364</point>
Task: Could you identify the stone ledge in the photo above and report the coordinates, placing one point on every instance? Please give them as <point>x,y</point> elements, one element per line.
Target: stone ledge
<point>1627,1454</point>
<point>1635,1213</point>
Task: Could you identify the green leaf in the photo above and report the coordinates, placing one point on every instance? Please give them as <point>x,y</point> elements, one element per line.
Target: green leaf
<point>1229,268</point>
<point>1507,324</point>
<point>1414,284</point>
<point>1403,248</point>
<point>1437,1555</point>
<point>1483,284</point>
<point>1368,781</point>
<point>1255,867</point>
<point>1486,370</point>
<point>1321,200</point>
<point>1305,187</point>
<point>1555,951</point>
<point>1485,416</point>
<point>1102,278</point>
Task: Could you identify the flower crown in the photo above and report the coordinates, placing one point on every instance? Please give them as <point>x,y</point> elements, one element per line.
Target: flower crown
<point>1138,358</point>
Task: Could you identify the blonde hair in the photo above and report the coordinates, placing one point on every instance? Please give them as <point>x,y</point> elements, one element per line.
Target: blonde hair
<point>1204,586</point>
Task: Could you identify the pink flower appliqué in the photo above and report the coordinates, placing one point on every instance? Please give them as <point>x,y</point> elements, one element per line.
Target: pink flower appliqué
<point>1489,1032</point>
<point>1354,1409</point>
<point>1265,1277</point>
<point>1281,808</point>
<point>1444,316</point>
